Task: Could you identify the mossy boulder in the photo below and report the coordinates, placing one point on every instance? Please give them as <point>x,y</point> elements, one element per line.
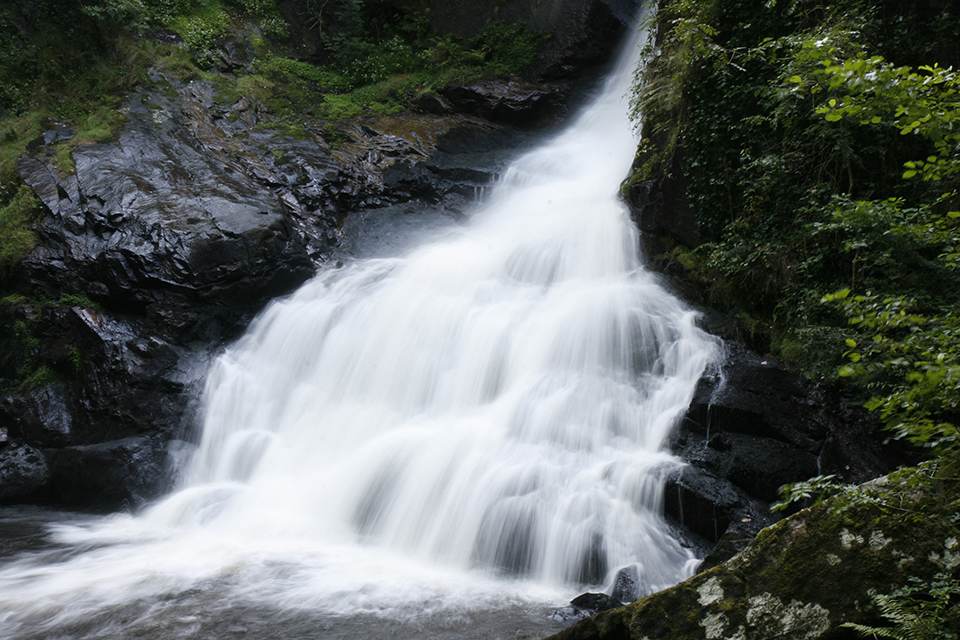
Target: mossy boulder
<point>805,576</point>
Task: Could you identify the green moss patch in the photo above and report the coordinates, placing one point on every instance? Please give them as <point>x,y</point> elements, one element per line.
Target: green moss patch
<point>807,575</point>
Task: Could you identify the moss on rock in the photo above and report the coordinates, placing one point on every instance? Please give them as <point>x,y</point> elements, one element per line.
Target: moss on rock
<point>805,576</point>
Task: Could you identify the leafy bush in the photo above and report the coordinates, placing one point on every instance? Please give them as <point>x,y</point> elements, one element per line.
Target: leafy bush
<point>792,204</point>
<point>508,48</point>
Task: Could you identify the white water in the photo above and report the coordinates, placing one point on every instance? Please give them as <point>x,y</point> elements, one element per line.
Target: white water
<point>476,425</point>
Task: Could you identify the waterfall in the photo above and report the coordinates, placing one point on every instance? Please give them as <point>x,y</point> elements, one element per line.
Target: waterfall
<point>480,420</point>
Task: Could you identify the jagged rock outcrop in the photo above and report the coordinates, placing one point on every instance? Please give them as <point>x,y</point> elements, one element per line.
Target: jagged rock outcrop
<point>160,246</point>
<point>753,426</point>
<point>806,575</point>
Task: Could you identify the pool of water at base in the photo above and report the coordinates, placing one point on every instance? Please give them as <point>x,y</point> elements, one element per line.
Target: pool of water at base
<point>216,609</point>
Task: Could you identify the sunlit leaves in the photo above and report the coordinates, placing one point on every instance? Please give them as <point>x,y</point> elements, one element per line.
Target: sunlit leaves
<point>914,359</point>
<point>924,102</point>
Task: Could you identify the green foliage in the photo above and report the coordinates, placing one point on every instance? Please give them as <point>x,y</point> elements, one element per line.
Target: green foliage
<point>16,238</point>
<point>42,376</point>
<point>912,364</point>
<point>114,16</point>
<point>919,610</point>
<point>797,492</point>
<point>17,340</point>
<point>791,204</point>
<point>255,86</point>
<point>200,26</point>
<point>921,102</point>
<point>391,57</point>
<point>908,347</point>
<point>325,79</point>
<point>80,299</point>
<point>508,48</point>
<point>397,67</point>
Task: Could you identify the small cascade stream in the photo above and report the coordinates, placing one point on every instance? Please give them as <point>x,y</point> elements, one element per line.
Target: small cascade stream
<point>408,446</point>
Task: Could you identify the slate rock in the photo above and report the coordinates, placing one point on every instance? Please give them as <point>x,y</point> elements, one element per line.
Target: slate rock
<point>109,475</point>
<point>23,471</point>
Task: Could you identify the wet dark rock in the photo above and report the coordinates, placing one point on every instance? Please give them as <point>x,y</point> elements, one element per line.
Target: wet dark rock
<point>660,207</point>
<point>53,132</point>
<point>46,417</point>
<point>708,505</point>
<point>594,602</point>
<point>109,475</point>
<point>23,470</point>
<point>234,55</point>
<point>585,605</point>
<point>511,102</point>
<point>758,423</point>
<point>433,103</point>
<point>753,426</point>
<point>626,585</point>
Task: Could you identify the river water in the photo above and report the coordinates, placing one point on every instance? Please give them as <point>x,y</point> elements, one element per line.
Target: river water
<point>445,444</point>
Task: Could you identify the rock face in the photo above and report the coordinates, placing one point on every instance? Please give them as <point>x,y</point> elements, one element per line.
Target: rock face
<point>512,102</point>
<point>660,207</point>
<point>23,470</point>
<point>752,427</point>
<point>806,575</point>
<point>160,247</point>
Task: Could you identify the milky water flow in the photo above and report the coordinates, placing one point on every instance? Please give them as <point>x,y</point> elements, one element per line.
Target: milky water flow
<point>477,423</point>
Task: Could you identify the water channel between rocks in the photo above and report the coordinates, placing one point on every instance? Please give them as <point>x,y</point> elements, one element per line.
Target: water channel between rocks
<point>445,444</point>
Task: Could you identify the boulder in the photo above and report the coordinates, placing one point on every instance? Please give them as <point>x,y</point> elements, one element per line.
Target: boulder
<point>23,470</point>
<point>513,102</point>
<point>753,426</point>
<point>109,475</point>
<point>46,417</point>
<point>585,605</point>
<point>808,574</point>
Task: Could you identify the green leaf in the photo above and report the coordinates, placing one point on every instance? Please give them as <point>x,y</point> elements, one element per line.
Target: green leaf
<point>851,343</point>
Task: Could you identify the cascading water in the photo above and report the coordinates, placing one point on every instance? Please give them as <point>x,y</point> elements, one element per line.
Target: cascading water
<point>476,425</point>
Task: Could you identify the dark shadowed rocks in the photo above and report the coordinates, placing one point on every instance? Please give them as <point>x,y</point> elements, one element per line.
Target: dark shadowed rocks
<point>511,102</point>
<point>805,576</point>
<point>159,247</point>
<point>124,472</point>
<point>23,470</point>
<point>753,426</point>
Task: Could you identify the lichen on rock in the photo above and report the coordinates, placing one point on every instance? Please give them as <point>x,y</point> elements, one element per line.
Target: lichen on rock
<point>805,576</point>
